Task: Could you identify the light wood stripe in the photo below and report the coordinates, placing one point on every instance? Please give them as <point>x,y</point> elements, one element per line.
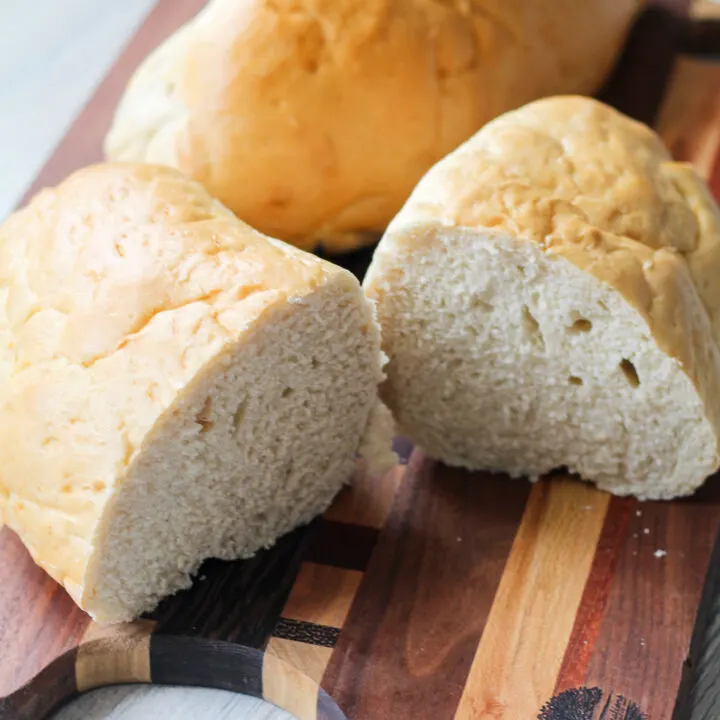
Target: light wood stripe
<point>704,9</point>
<point>368,499</point>
<point>322,594</point>
<point>311,659</point>
<point>521,650</point>
<point>113,654</point>
<point>289,688</point>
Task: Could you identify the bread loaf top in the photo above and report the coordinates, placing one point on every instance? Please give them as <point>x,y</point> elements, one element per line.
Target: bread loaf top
<point>314,119</point>
<point>588,184</point>
<point>117,287</point>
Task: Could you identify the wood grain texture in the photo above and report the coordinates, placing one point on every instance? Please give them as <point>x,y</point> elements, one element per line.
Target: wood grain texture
<point>114,654</point>
<point>367,501</point>
<point>322,594</point>
<point>520,653</point>
<point>289,688</point>
<point>581,644</point>
<point>637,84</point>
<point>698,698</point>
<point>411,634</point>
<point>38,620</point>
<point>652,605</point>
<point>235,601</point>
<point>313,659</point>
<point>45,692</point>
<point>689,120</point>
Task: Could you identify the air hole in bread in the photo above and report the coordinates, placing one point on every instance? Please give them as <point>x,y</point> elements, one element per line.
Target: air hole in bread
<point>530,323</point>
<point>315,362</point>
<point>581,325</point>
<point>630,373</point>
<point>480,304</point>
<point>575,380</point>
<point>203,417</point>
<point>532,327</point>
<point>239,415</point>
<point>287,392</point>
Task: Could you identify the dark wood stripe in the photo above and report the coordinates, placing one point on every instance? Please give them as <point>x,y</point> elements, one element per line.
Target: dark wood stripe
<point>236,601</point>
<point>341,544</point>
<point>358,261</point>
<point>597,590</point>
<point>637,85</point>
<point>45,693</point>
<point>651,609</point>
<point>702,38</point>
<point>82,144</point>
<point>411,634</point>
<point>205,663</point>
<point>306,632</point>
<point>699,694</point>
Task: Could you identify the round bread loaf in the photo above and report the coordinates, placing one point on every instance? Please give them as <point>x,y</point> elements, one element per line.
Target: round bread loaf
<point>312,120</point>
<point>173,385</point>
<point>549,297</point>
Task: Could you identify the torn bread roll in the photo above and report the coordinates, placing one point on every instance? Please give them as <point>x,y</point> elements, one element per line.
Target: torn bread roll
<point>313,120</point>
<point>549,297</point>
<point>175,385</point>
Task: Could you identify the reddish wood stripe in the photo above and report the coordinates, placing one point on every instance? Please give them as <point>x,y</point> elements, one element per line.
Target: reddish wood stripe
<point>653,601</point>
<point>411,634</point>
<point>597,590</point>
<point>523,643</point>
<point>38,621</point>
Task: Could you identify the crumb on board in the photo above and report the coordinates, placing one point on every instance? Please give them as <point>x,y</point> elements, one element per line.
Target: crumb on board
<point>646,531</point>
<point>660,553</point>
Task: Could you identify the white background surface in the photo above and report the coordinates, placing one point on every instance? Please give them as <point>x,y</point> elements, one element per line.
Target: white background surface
<point>53,53</point>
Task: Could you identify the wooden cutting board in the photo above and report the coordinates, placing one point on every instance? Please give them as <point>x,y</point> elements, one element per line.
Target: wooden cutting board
<point>430,593</point>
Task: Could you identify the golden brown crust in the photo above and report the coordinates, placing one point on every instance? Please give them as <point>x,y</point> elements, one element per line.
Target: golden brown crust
<point>589,185</point>
<point>314,119</point>
<point>118,286</point>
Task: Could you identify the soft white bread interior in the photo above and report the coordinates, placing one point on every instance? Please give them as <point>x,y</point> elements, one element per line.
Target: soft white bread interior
<point>174,385</point>
<point>314,119</point>
<point>549,297</point>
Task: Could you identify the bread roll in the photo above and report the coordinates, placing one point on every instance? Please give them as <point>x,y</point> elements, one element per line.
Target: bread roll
<point>173,385</point>
<point>549,297</point>
<point>314,119</point>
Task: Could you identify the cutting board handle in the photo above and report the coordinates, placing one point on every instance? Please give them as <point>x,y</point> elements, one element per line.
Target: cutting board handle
<point>123,654</point>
